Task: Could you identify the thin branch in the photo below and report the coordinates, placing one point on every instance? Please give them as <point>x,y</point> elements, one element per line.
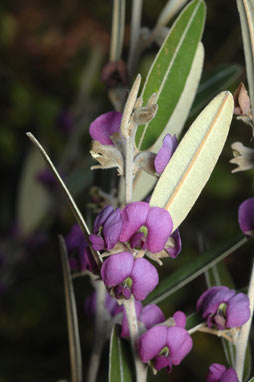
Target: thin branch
<point>117,30</point>
<point>77,214</point>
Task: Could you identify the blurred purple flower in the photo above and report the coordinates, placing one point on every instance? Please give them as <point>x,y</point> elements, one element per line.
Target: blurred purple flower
<point>47,179</point>
<point>90,305</point>
<point>219,373</point>
<point>246,216</point>
<point>107,229</point>
<point>165,153</point>
<point>149,315</point>
<point>146,227</point>
<point>104,126</point>
<point>75,240</point>
<point>64,121</point>
<point>174,244</point>
<point>223,307</point>
<point>129,276</point>
<point>166,346</point>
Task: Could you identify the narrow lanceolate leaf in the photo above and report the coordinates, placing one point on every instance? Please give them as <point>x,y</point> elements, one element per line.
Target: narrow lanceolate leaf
<point>33,199</point>
<point>72,320</point>
<point>183,275</point>
<point>251,380</point>
<point>175,124</point>
<point>193,320</point>
<point>170,69</point>
<point>194,159</point>
<point>214,81</point>
<point>120,363</point>
<point>246,11</point>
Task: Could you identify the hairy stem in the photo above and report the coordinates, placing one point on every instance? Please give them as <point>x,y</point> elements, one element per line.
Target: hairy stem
<point>129,165</point>
<point>244,332</point>
<point>141,368</point>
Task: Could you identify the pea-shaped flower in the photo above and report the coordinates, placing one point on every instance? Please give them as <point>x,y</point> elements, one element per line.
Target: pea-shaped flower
<point>219,373</point>
<point>104,126</point>
<point>146,227</point>
<point>166,151</point>
<point>129,276</point>
<point>223,307</point>
<point>107,229</point>
<point>246,216</point>
<point>166,346</point>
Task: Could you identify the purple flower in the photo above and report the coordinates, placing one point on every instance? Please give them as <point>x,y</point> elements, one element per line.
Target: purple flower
<point>219,373</point>
<point>174,244</point>
<point>47,179</point>
<point>107,229</point>
<point>146,227</point>
<point>223,308</point>
<point>129,276</point>
<point>75,240</point>
<point>104,126</point>
<point>165,153</point>
<point>148,315</point>
<point>90,305</point>
<point>246,216</point>
<point>165,346</point>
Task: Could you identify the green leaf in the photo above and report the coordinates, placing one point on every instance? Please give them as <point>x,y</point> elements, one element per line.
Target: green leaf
<point>120,361</point>
<point>170,69</point>
<point>33,198</point>
<point>194,159</point>
<point>251,380</point>
<point>212,82</point>
<point>72,319</point>
<point>182,276</point>
<point>175,124</point>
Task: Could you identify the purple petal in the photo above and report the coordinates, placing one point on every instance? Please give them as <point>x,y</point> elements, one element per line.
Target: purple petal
<point>134,216</point>
<point>179,342</point>
<point>104,126</point>
<point>166,151</point>
<point>73,264</point>
<point>229,375</point>
<point>74,237</point>
<point>238,311</point>
<point>97,242</point>
<point>112,229</point>
<point>174,252</point>
<point>215,372</point>
<point>162,361</point>
<point>159,224</point>
<point>86,259</point>
<point>110,304</point>
<point>102,217</point>
<point>246,216</point>
<point>138,240</point>
<point>144,278</point>
<point>152,342</point>
<point>116,268</point>
<point>210,300</point>
<point>180,319</point>
<point>151,315</point>
<point>121,291</point>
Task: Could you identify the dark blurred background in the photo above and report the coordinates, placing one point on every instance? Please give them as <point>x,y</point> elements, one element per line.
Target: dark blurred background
<point>52,53</point>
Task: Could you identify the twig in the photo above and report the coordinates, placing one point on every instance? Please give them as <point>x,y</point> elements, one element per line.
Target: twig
<point>135,33</point>
<point>77,214</point>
